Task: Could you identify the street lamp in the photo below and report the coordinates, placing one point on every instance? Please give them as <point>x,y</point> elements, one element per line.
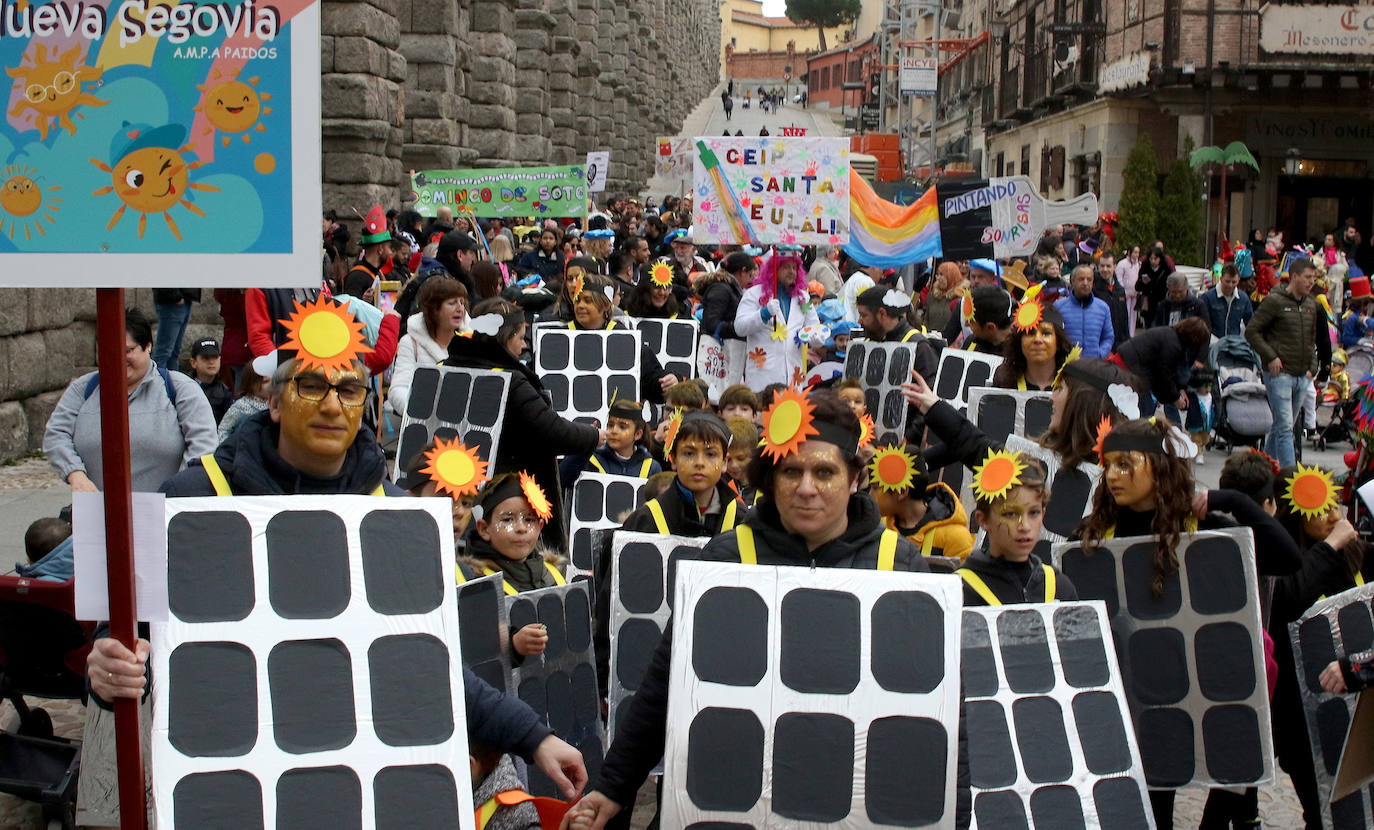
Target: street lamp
<point>1291,163</point>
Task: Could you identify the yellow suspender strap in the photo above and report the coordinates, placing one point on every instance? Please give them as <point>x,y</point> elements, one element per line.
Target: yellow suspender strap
<point>510,590</point>
<point>485,812</point>
<point>380,491</point>
<point>660,521</point>
<point>1359,579</point>
<point>217,479</point>
<point>458,578</point>
<point>644,468</point>
<point>887,550</point>
<point>557,577</point>
<point>744,535</point>
<point>927,544</point>
<point>1021,384</point>
<point>979,586</point>
<point>730,510</point>
<point>595,463</point>
<point>1049,582</point>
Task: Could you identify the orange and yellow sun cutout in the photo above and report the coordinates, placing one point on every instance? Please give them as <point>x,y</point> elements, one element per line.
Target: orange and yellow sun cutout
<point>787,423</point>
<point>1028,315</point>
<point>966,307</point>
<point>454,468</point>
<point>576,283</point>
<point>1104,428</point>
<point>661,274</point>
<point>866,428</point>
<point>670,437</point>
<point>325,336</point>
<point>892,469</point>
<point>998,473</point>
<point>534,494</point>
<point>1311,491</point>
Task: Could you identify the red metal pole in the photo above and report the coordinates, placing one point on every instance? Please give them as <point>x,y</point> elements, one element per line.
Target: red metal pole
<point>119,543</point>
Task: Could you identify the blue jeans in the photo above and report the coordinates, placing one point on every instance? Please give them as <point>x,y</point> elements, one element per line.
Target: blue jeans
<point>171,326</point>
<point>1285,401</point>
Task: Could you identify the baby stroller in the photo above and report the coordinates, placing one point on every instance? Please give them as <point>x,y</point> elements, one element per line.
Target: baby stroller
<point>1243,416</point>
<point>42,654</point>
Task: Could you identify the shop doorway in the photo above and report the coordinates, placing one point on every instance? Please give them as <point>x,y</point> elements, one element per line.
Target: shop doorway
<point>1310,206</point>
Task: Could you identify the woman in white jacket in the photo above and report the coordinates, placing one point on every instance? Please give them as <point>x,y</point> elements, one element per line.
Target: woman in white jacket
<point>770,317</point>
<point>443,312</point>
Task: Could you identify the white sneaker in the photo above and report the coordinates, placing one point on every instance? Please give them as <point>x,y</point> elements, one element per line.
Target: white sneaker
<point>1201,459</point>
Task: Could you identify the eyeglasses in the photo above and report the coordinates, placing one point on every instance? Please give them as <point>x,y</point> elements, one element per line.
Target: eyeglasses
<point>315,388</point>
<point>508,522</point>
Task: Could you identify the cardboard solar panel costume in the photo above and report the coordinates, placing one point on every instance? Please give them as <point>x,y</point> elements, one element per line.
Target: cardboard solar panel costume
<point>308,673</point>
<point>482,630</point>
<point>599,502</point>
<point>812,696</point>
<point>585,371</point>
<point>1000,413</point>
<point>1070,490</point>
<point>1050,739</point>
<point>446,403</point>
<point>1334,627</point>
<point>673,342</point>
<point>882,368</point>
<point>961,370</point>
<point>1193,659</point>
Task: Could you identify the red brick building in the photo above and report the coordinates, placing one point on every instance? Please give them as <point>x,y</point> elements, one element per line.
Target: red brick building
<point>827,72</point>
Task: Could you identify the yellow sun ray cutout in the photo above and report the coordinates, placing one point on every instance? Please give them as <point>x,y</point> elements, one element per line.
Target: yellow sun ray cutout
<point>779,330</point>
<point>787,423</point>
<point>1032,292</point>
<point>1074,353</point>
<point>534,494</point>
<point>1311,491</point>
<point>866,430</point>
<point>324,336</point>
<point>892,469</point>
<point>454,468</point>
<point>661,274</point>
<point>1028,315</point>
<point>997,474</point>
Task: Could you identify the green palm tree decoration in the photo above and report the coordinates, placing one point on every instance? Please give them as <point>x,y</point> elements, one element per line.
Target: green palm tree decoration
<point>1212,157</point>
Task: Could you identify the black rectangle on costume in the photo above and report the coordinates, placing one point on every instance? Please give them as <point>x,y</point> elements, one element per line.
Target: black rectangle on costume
<point>1118,803</point>
<point>903,788</point>
<point>451,403</point>
<point>411,694</point>
<point>1094,574</point>
<point>423,797</point>
<point>1101,733</point>
<point>1216,576</point>
<point>716,734</point>
<point>1236,765</point>
<point>1058,807</point>
<point>908,652</point>
<point>992,761</point>
<point>1161,732</point>
<point>738,616</point>
<point>813,766</point>
<point>399,568</point>
<point>1025,651</point>
<point>1040,736</point>
<point>479,618</point>
<point>1137,562</point>
<point>310,798</point>
<point>977,665</point>
<point>312,695</point>
<point>820,647</point>
<point>1224,672</point>
<point>1081,650</point>
<point>1000,809</point>
<point>307,564</point>
<point>230,800</point>
<point>641,578</point>
<point>1162,654</point>
<point>210,583</point>
<point>215,710</point>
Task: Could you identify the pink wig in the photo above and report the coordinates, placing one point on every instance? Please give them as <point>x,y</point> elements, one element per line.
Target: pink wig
<point>767,279</point>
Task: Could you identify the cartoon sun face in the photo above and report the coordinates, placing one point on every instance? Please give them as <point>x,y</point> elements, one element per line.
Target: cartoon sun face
<point>151,177</point>
<point>233,107</point>
<point>21,197</point>
<point>52,88</point>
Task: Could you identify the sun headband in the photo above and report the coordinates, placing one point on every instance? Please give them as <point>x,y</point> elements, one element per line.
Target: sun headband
<point>790,420</point>
<point>866,428</point>
<point>893,469</point>
<point>523,486</point>
<point>661,274</point>
<point>324,335</point>
<point>454,468</point>
<point>998,473</point>
<point>1311,492</point>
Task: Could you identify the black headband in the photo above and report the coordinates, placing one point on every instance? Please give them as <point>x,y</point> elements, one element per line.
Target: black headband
<point>1072,369</point>
<point>844,438</point>
<point>508,488</point>
<point>1115,442</point>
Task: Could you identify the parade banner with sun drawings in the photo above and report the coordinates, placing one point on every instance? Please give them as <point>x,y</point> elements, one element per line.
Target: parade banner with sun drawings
<point>771,191</point>
<point>136,128</point>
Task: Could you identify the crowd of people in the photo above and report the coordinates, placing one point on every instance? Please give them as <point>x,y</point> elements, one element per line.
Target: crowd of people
<point>1123,343</point>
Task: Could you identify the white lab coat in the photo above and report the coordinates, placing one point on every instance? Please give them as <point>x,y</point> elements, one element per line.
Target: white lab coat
<point>780,357</point>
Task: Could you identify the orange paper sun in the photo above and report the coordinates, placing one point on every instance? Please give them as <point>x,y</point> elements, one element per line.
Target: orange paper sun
<point>998,473</point>
<point>1311,491</point>
<point>866,429</point>
<point>670,437</point>
<point>661,274</point>
<point>324,336</point>
<point>454,468</point>
<point>577,283</point>
<point>1028,315</point>
<point>534,494</point>
<point>966,307</point>
<point>1104,427</point>
<point>892,469</point>
<point>787,423</point>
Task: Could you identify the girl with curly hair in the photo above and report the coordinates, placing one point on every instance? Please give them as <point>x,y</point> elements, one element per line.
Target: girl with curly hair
<point>1035,353</point>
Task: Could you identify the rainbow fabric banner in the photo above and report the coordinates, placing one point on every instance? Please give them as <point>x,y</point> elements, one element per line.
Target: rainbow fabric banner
<point>887,235</point>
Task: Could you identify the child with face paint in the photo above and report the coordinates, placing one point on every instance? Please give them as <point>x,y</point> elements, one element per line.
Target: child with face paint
<point>699,503</point>
<point>510,512</point>
<point>592,312</point>
<point>1011,494</point>
<point>928,513</point>
<point>744,445</point>
<point>425,481</point>
<point>1147,490</point>
<point>624,453</point>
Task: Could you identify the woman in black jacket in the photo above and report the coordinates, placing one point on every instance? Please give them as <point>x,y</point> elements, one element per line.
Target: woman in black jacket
<point>1163,357</point>
<point>532,434</point>
<point>720,292</point>
<point>1152,282</point>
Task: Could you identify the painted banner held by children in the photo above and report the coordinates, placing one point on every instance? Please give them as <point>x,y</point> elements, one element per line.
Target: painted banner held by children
<point>771,191</point>
<point>185,132</point>
<point>673,159</point>
<point>525,191</point>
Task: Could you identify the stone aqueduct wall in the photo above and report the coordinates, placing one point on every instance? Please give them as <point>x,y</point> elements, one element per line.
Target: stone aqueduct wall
<point>415,84</point>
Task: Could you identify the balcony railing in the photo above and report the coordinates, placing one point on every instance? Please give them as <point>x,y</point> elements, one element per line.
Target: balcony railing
<point>1008,93</point>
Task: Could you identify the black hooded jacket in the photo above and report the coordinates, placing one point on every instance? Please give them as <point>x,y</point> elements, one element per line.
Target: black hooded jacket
<point>1014,582</point>
<point>640,736</point>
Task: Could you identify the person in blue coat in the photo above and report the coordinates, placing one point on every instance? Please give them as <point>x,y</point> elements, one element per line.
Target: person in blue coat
<point>1228,309</point>
<point>1087,319</point>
